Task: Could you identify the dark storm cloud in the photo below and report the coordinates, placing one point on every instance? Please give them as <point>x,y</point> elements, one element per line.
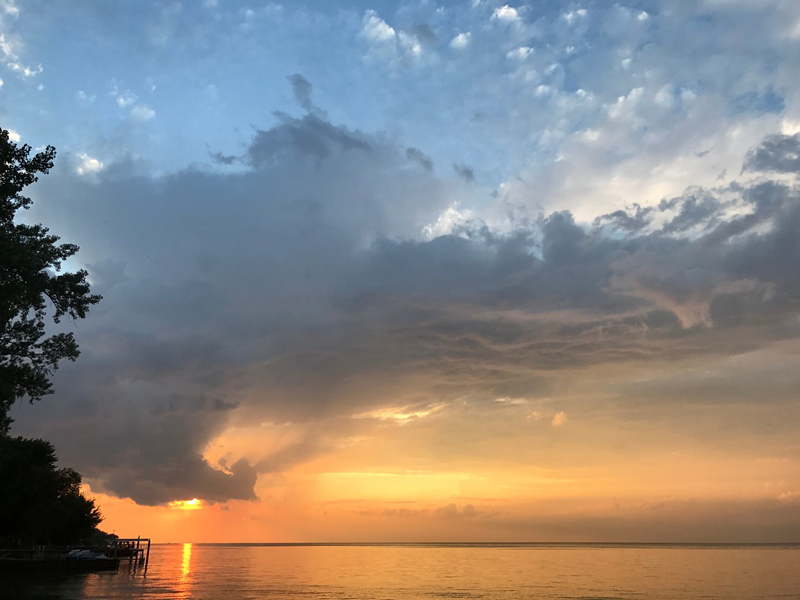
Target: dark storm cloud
<point>206,277</point>
<point>301,291</point>
<point>777,153</point>
<point>157,457</point>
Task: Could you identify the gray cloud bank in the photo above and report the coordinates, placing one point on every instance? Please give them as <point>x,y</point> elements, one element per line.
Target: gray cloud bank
<point>300,289</point>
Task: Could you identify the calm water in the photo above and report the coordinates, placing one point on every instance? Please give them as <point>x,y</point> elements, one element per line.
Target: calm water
<point>216,572</point>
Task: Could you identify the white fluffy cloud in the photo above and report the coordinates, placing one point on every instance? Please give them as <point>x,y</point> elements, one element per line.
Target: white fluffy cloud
<point>460,41</point>
<point>396,47</point>
<point>376,30</point>
<point>573,15</point>
<point>88,165</point>
<point>520,53</point>
<point>505,13</point>
<point>11,46</point>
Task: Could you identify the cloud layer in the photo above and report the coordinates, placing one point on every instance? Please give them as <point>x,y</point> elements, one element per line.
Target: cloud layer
<point>424,243</point>
<point>299,289</point>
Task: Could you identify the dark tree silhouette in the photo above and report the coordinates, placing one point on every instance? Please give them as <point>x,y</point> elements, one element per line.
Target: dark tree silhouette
<point>31,285</point>
<point>39,503</point>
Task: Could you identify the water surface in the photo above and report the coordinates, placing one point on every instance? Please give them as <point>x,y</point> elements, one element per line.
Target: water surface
<point>427,571</point>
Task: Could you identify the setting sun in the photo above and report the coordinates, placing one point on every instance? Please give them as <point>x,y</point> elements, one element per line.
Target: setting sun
<point>192,504</point>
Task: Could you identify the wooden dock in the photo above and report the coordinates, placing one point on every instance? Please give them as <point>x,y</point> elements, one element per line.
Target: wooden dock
<point>134,551</point>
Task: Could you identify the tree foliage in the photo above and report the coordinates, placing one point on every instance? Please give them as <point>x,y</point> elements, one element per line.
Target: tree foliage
<point>31,285</point>
<point>39,503</point>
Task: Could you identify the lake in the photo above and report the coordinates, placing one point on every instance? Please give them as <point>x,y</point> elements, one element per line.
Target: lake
<point>426,571</point>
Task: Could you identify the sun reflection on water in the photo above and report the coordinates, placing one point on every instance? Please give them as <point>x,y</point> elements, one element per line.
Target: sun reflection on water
<point>186,564</point>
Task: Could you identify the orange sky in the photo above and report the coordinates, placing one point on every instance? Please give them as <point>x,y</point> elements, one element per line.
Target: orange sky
<point>524,469</point>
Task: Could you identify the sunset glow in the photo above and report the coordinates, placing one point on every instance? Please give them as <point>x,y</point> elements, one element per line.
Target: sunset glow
<point>192,504</point>
<point>422,271</point>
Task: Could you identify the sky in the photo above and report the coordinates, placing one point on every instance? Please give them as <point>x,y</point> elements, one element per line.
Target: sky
<point>423,271</point>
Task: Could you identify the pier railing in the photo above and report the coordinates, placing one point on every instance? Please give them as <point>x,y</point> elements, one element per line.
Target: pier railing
<point>135,550</point>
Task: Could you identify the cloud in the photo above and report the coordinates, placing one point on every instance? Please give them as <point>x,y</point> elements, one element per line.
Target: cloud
<point>461,40</point>
<point>309,201</point>
<point>447,512</point>
<point>310,136</point>
<point>223,159</point>
<point>573,15</point>
<point>777,153</point>
<point>376,30</point>
<point>402,415</point>
<point>420,157</point>
<point>559,419</point>
<point>520,53</point>
<point>88,165</point>
<point>449,222</point>
<point>123,99</point>
<point>425,34</point>
<point>302,92</point>
<point>465,172</point>
<point>142,113</point>
<point>10,7</point>
<point>395,47</point>
<point>11,45</point>
<point>672,519</point>
<point>505,13</point>
<point>23,70</point>
<point>310,285</point>
<point>85,98</point>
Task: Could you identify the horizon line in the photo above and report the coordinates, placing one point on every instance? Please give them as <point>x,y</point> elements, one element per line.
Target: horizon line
<point>484,543</point>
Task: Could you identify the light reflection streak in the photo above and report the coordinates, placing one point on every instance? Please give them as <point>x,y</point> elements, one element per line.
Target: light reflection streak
<point>186,562</point>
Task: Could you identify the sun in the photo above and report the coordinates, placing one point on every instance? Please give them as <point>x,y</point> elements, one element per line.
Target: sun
<point>192,504</point>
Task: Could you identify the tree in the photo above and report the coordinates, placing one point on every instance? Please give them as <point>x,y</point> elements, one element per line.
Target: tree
<point>31,284</point>
<point>39,503</point>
